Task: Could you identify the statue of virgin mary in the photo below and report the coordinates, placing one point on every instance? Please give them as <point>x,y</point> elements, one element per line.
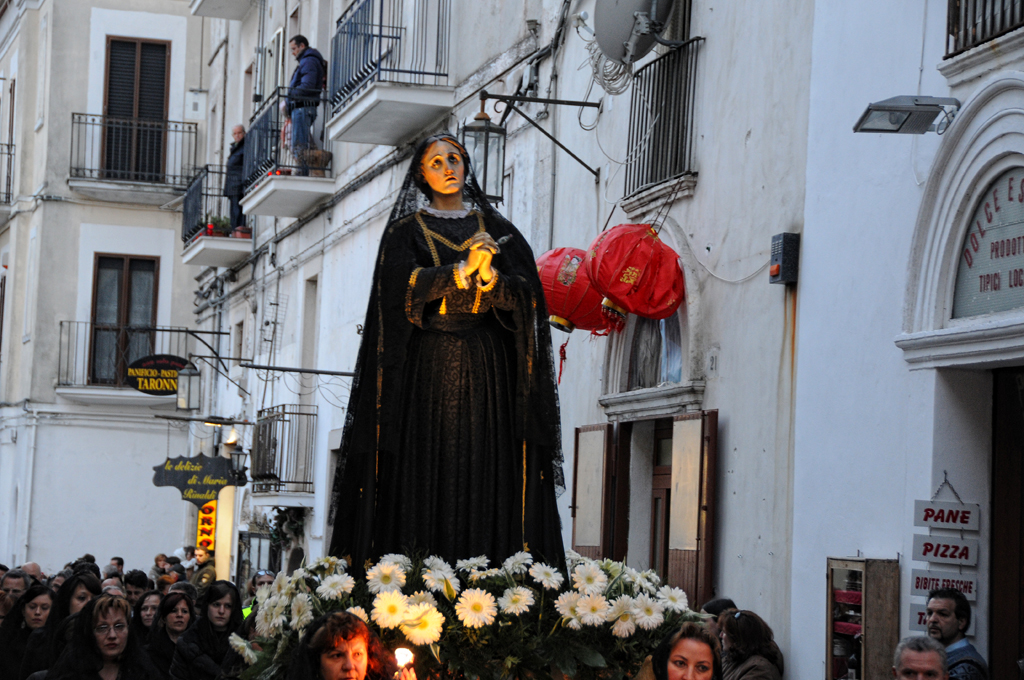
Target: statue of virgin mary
<point>451,443</point>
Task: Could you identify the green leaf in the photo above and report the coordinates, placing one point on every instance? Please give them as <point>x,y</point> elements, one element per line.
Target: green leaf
<point>436,651</point>
<point>591,657</point>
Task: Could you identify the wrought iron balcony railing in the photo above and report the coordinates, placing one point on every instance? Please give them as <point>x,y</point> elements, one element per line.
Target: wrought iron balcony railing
<point>278,144</point>
<point>205,206</point>
<point>6,173</point>
<point>661,118</point>
<point>399,41</point>
<point>132,149</point>
<point>973,22</point>
<point>283,449</point>
<point>94,354</point>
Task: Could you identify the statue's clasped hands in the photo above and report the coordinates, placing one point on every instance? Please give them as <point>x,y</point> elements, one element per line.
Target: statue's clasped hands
<point>482,248</point>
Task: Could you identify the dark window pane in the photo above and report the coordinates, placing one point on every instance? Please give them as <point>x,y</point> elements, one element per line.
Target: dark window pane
<point>108,290</point>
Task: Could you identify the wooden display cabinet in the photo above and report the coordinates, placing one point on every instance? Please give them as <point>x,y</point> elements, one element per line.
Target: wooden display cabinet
<point>863,617</point>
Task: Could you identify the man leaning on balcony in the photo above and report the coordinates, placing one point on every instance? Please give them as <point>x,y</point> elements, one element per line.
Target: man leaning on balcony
<point>307,81</point>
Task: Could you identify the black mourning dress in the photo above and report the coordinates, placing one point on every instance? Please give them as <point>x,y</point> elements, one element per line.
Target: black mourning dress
<point>451,445</point>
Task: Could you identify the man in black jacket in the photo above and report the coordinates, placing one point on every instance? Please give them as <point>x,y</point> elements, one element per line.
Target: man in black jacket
<point>304,96</point>
<point>233,176</point>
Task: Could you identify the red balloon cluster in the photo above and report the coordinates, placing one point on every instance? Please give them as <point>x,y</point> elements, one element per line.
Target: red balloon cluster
<point>636,272</point>
<point>572,300</point>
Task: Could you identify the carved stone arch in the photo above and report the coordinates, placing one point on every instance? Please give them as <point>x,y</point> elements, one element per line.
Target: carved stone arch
<point>622,404</point>
<point>985,140</point>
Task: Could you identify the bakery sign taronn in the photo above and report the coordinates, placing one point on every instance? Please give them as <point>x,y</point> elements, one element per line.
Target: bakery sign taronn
<point>990,274</point>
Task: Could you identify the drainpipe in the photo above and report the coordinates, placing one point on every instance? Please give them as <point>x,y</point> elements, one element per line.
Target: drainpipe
<point>27,502</point>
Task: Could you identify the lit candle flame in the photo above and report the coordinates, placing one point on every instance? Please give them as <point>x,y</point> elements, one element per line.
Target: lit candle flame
<point>403,656</point>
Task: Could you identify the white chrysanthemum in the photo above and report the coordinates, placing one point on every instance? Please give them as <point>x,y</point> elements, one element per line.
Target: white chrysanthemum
<point>360,612</point>
<point>302,611</point>
<point>547,576</point>
<point>384,577</point>
<point>434,579</point>
<point>389,608</point>
<point>566,604</point>
<point>572,557</point>
<point>673,599</point>
<point>473,563</point>
<point>422,597</point>
<point>629,575</point>
<point>265,622</point>
<point>516,600</point>
<point>592,609</point>
<point>262,593</point>
<point>621,616</point>
<point>333,587</point>
<point>487,573</point>
<point>476,608</point>
<point>423,624</point>
<point>394,558</point>
<point>649,614</point>
<point>518,563</point>
<point>281,585</point>
<point>589,579</point>
<point>328,565</point>
<point>242,647</point>
<point>611,567</point>
<point>436,563</point>
<point>298,575</point>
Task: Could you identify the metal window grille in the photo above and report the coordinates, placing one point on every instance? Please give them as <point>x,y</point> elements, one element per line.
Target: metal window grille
<point>661,118</point>
<point>973,22</point>
<point>283,449</point>
<point>273,147</point>
<point>204,200</point>
<point>132,149</point>
<point>92,354</point>
<point>6,173</point>
<point>398,41</point>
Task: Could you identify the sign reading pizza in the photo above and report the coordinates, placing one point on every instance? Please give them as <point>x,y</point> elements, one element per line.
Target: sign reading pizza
<point>990,274</point>
<point>156,374</point>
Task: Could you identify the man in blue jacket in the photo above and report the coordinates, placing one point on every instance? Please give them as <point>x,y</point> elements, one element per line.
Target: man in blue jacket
<point>304,96</point>
<point>949,617</point>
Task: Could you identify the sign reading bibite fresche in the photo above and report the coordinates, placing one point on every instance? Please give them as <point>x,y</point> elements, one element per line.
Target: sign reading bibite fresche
<point>990,270</point>
<point>923,581</point>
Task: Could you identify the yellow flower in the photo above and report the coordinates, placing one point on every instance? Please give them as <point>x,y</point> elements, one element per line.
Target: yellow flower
<point>389,608</point>
<point>422,624</point>
<point>476,608</point>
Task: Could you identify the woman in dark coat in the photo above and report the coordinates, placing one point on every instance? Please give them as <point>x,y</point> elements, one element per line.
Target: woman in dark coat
<point>201,649</point>
<point>174,617</point>
<point>46,644</point>
<point>101,645</point>
<point>749,649</point>
<point>234,176</point>
<point>27,616</point>
<point>144,614</point>
<point>451,442</point>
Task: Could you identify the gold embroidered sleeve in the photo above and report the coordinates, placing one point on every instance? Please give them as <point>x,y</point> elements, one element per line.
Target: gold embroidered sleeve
<point>460,281</point>
<point>408,292</point>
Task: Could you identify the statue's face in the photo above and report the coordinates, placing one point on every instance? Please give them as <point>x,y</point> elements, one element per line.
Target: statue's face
<point>443,168</point>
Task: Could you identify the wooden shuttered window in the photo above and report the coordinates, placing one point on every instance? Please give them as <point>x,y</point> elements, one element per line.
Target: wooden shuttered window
<point>135,109</point>
<point>682,497</point>
<point>123,315</point>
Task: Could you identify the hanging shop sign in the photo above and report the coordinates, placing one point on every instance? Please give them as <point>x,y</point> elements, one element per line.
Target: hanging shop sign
<point>962,516</point>
<point>990,273</point>
<point>922,581</point>
<point>206,526</point>
<point>946,550</point>
<point>156,374</point>
<point>199,478</point>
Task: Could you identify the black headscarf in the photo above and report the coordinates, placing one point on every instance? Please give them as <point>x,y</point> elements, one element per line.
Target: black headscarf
<point>382,353</point>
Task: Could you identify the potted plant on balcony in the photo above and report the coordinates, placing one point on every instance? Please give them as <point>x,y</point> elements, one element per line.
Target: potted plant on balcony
<point>242,231</point>
<point>217,225</point>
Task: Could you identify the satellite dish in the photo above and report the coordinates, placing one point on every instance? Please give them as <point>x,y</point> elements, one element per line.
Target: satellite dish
<point>621,34</point>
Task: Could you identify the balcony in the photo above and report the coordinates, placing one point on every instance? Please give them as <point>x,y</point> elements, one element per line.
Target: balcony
<point>220,9</point>
<point>282,181</point>
<point>131,160</point>
<point>93,360</point>
<point>974,23</point>
<point>205,223</point>
<point>6,179</point>
<point>282,456</point>
<point>389,70</point>
<point>661,123</point>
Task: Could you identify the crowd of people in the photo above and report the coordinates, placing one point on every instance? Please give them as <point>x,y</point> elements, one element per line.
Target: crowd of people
<point>174,624</point>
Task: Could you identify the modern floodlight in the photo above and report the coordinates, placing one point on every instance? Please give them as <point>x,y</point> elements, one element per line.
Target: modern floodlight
<point>906,114</point>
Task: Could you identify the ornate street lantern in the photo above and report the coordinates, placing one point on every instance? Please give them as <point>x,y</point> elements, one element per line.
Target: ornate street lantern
<point>485,143</point>
<point>189,394</point>
<point>238,456</point>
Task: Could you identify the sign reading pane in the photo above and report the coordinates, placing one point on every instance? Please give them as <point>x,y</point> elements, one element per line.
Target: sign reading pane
<point>990,273</point>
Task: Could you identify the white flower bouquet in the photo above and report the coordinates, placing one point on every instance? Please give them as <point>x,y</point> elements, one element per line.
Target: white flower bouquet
<point>518,619</point>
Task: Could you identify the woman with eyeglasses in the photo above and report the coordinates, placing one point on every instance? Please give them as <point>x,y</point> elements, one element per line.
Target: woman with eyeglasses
<point>173,618</point>
<point>101,647</point>
<point>200,651</point>
<point>750,652</point>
